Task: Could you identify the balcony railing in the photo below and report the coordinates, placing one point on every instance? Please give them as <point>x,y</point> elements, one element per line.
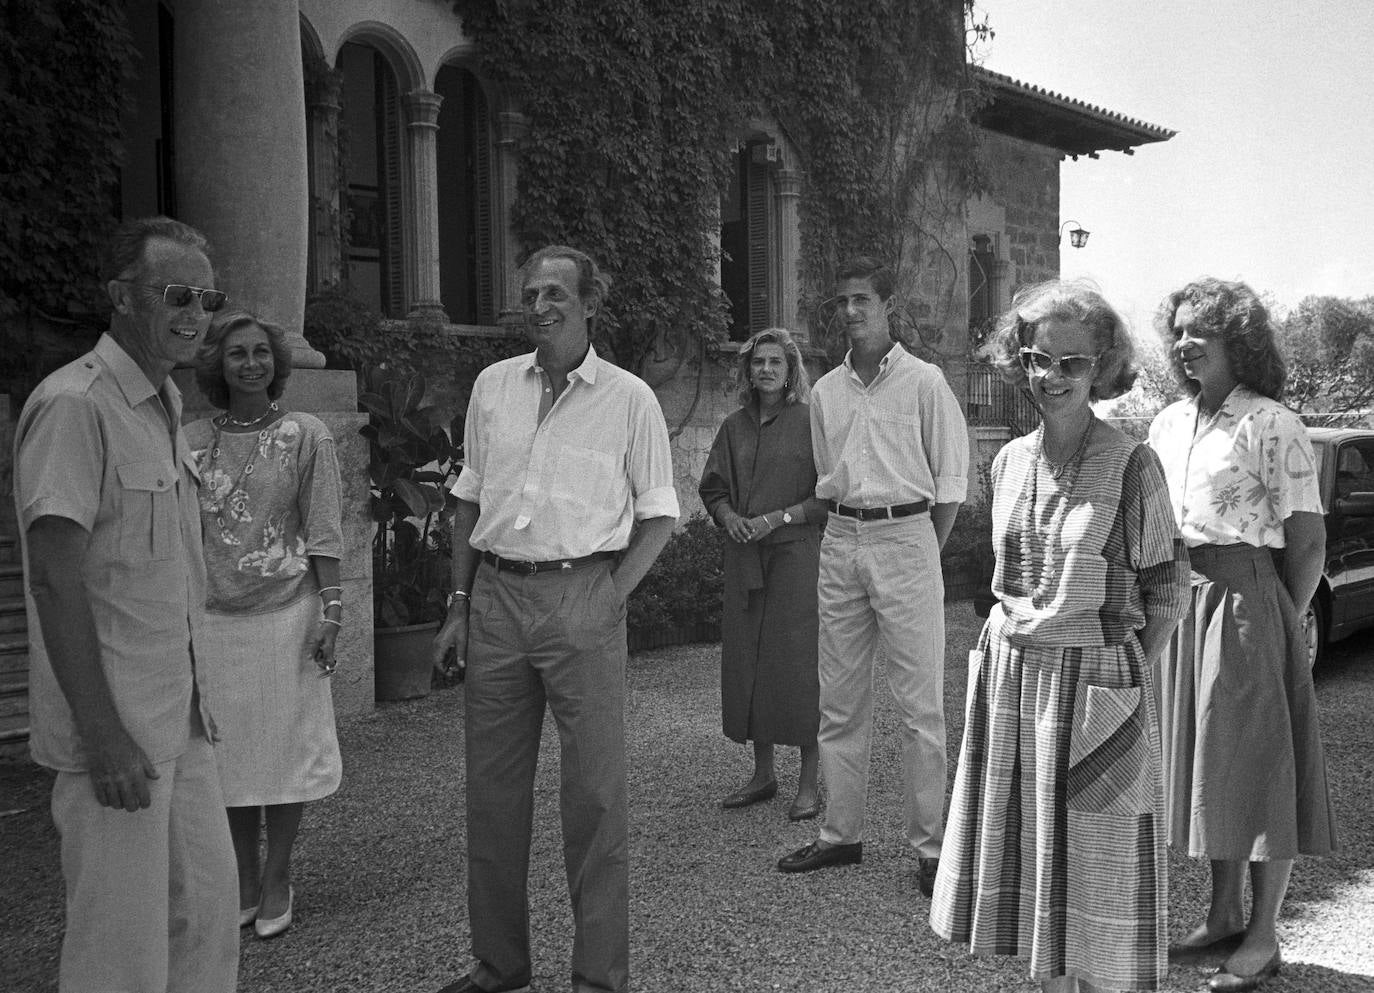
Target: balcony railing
<point>991,400</point>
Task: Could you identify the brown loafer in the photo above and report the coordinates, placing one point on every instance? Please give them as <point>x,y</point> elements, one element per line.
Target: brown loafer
<point>799,813</point>
<point>743,798</point>
<point>816,856</point>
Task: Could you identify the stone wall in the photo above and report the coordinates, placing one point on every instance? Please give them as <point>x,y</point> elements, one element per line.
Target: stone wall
<point>1023,181</point>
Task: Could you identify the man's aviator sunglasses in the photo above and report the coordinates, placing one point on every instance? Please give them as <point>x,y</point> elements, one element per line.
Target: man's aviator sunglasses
<point>1038,363</point>
<point>179,295</point>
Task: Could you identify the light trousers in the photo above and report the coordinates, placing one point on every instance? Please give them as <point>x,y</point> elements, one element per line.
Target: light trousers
<point>880,585</point>
<point>555,638</point>
<point>152,896</point>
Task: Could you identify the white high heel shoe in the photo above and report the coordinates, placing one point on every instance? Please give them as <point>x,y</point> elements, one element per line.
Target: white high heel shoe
<point>277,925</point>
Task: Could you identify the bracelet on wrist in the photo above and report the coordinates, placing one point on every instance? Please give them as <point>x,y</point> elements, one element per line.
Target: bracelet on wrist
<point>330,620</point>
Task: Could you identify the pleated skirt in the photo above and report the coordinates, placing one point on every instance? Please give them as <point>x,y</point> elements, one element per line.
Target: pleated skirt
<point>1244,768</point>
<point>274,711</point>
<point>1054,848</point>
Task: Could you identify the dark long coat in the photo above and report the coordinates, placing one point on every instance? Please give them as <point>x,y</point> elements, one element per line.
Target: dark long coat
<point>769,688</point>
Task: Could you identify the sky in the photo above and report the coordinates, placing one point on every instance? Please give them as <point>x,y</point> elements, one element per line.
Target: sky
<point>1271,177</point>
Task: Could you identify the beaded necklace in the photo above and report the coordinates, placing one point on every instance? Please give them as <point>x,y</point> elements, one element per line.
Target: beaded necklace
<point>1056,522</point>
<point>216,507</point>
<point>271,409</point>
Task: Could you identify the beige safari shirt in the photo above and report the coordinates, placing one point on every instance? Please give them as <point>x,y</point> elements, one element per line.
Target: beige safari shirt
<point>97,444</point>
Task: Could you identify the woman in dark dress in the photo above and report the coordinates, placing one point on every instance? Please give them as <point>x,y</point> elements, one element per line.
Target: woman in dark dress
<point>759,484</point>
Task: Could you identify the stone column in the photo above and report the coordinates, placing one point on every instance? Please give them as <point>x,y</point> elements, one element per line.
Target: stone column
<point>240,152</point>
<point>511,128</point>
<point>422,266</point>
<point>327,249</point>
<point>789,183</point>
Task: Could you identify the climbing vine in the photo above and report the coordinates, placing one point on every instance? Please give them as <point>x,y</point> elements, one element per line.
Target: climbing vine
<point>635,108</point>
<point>63,66</point>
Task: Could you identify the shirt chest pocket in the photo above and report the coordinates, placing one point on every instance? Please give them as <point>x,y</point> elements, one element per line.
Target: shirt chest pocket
<point>148,517</point>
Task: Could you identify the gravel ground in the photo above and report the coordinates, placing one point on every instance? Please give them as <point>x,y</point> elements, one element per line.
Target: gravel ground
<point>379,868</point>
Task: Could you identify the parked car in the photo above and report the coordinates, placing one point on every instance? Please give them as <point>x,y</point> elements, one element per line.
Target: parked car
<point>1344,603</point>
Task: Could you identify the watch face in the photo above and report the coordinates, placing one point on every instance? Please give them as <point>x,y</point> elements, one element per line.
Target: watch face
<point>786,517</point>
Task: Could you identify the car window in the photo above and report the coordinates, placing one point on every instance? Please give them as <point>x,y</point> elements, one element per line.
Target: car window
<point>1355,468</point>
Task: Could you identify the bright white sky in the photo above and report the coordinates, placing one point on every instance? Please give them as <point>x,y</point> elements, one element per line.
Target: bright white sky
<point>1271,176</point>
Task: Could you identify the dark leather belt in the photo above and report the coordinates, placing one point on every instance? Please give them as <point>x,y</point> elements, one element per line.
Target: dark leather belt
<point>879,513</point>
<point>553,565</point>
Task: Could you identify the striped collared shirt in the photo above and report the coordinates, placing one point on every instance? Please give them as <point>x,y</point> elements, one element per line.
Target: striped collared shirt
<point>900,439</point>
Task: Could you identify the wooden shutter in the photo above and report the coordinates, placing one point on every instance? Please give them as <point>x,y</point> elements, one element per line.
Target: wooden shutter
<point>390,159</point>
<point>760,230</point>
<point>485,304</point>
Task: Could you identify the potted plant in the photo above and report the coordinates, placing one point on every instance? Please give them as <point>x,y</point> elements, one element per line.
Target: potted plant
<point>413,463</point>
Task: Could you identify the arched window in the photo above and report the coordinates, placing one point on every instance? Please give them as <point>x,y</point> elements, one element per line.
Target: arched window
<point>465,168</point>
<point>372,139</point>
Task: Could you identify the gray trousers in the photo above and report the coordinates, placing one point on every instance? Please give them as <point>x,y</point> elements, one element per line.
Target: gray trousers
<point>555,638</point>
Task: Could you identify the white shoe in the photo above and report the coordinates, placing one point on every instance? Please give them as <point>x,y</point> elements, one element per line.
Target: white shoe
<point>277,925</point>
<point>247,915</point>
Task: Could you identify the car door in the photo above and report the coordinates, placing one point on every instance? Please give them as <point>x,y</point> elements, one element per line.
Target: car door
<point>1350,534</point>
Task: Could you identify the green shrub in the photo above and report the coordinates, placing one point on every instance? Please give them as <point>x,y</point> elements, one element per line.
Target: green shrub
<point>684,585</point>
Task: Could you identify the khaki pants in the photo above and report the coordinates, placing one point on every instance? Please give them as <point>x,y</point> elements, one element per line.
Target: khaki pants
<point>555,638</point>
<point>880,583</point>
<point>152,896</point>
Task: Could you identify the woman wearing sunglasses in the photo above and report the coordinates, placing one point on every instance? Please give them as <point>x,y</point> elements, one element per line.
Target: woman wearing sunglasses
<point>1243,760</point>
<point>1054,847</point>
<point>270,508</point>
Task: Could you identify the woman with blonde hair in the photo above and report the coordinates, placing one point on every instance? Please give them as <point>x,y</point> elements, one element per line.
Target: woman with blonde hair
<point>271,509</point>
<point>1054,848</point>
<point>759,484</point>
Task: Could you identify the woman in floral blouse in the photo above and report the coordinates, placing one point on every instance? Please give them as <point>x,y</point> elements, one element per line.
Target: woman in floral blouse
<point>1244,770</point>
<point>271,508</point>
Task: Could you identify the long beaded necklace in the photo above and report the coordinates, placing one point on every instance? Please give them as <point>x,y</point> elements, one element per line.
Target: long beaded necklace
<point>1056,522</point>
<point>216,507</point>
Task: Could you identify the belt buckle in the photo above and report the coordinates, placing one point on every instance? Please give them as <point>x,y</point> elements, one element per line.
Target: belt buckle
<point>526,568</point>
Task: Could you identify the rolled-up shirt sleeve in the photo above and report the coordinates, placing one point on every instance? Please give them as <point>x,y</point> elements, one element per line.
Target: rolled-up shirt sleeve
<point>1154,546</point>
<point>649,461</point>
<point>945,437</point>
<point>469,483</point>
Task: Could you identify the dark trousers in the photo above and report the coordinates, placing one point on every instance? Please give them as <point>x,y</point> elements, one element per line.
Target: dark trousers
<point>555,638</point>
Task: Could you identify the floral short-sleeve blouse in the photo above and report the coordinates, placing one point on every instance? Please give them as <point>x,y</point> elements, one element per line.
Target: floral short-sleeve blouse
<point>1237,476</point>
<point>269,500</point>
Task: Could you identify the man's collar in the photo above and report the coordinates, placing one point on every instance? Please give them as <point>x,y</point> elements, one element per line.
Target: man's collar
<point>132,381</point>
<point>883,363</point>
<point>586,370</point>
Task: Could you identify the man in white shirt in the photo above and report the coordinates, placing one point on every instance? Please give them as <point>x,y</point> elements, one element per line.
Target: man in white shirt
<point>565,499</point>
<point>891,449</point>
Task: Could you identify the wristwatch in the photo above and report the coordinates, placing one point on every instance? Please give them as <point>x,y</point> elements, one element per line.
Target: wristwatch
<point>456,595</point>
<point>786,517</point>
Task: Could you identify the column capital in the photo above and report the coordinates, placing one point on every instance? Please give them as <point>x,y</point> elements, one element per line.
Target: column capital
<point>422,108</point>
<point>325,89</point>
<point>511,127</point>
<point>789,182</point>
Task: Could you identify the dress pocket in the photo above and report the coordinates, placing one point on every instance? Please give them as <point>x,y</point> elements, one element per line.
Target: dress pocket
<point>1110,767</point>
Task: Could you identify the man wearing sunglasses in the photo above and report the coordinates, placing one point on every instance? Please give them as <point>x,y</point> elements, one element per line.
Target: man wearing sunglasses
<point>891,450</point>
<point>105,491</point>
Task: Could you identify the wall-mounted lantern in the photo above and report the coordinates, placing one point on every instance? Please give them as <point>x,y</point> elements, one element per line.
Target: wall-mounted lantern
<point>1077,236</point>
